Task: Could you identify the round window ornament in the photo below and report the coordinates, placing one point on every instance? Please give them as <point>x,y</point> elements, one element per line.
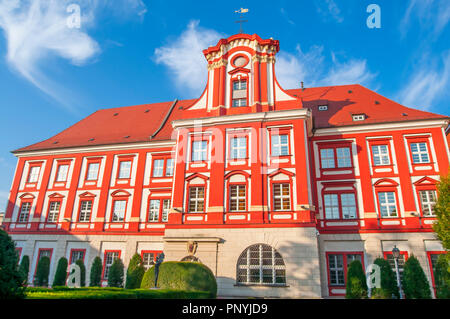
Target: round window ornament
<point>240,61</point>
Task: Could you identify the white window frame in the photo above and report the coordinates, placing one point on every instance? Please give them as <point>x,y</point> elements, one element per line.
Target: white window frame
<point>93,169</point>
<point>158,167</point>
<point>125,169</point>
<point>169,166</point>
<point>236,199</point>
<point>33,175</point>
<point>387,204</point>
<point>153,210</point>
<point>196,199</point>
<point>283,198</point>
<point>430,197</point>
<point>109,260</point>
<point>380,155</point>
<point>422,156</point>
<point>119,212</point>
<point>62,174</point>
<point>24,214</point>
<point>280,147</point>
<point>85,211</point>
<point>53,211</point>
<point>165,210</point>
<point>199,151</point>
<point>238,147</point>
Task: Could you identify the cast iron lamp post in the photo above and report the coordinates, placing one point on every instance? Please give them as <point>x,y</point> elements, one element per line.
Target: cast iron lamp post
<point>396,255</point>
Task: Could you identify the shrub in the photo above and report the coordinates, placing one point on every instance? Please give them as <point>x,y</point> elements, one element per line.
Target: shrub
<point>95,277</point>
<point>356,281</point>
<point>11,279</point>
<point>415,283</point>
<point>115,274</point>
<point>442,277</point>
<point>61,272</point>
<point>388,281</point>
<point>188,276</point>
<point>42,272</point>
<point>80,264</point>
<point>442,211</point>
<point>24,268</point>
<point>135,272</point>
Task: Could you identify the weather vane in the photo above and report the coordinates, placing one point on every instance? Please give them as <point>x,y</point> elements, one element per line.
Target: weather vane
<point>241,11</point>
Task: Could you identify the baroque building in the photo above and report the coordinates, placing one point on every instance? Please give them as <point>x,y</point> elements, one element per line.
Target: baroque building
<point>275,190</point>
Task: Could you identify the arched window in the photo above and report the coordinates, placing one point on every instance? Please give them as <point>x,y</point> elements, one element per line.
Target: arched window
<point>262,265</point>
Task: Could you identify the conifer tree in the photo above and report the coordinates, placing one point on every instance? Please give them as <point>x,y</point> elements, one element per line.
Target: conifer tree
<point>96,273</point>
<point>61,272</point>
<point>135,272</point>
<point>415,283</point>
<point>115,274</point>
<point>356,281</point>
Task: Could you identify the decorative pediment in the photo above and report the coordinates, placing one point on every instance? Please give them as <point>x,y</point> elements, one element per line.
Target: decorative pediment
<point>27,196</point>
<point>237,174</point>
<point>56,195</point>
<point>87,194</point>
<point>426,181</point>
<point>197,178</point>
<point>120,192</point>
<point>281,174</point>
<point>385,182</point>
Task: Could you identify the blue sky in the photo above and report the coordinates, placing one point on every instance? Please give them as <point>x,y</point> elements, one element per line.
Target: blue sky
<point>129,52</point>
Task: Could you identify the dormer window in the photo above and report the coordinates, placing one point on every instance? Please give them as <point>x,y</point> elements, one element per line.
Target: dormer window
<point>239,97</point>
<point>359,117</point>
<point>323,107</point>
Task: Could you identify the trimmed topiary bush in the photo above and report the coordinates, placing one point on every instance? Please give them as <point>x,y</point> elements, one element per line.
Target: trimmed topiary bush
<point>80,264</point>
<point>96,273</point>
<point>356,281</point>
<point>61,272</point>
<point>415,283</point>
<point>42,272</point>
<point>442,277</point>
<point>389,288</point>
<point>179,275</point>
<point>11,279</point>
<point>24,268</point>
<point>135,272</point>
<point>115,274</point>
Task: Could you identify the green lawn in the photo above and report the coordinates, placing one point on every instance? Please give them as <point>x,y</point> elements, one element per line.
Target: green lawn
<point>112,293</point>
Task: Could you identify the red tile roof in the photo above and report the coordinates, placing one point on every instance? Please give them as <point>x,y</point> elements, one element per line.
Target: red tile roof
<point>138,123</point>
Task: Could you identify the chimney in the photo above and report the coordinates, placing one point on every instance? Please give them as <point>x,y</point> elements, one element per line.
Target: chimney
<point>301,83</point>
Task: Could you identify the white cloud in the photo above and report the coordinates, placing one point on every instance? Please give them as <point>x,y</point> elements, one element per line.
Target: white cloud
<point>329,8</point>
<point>184,58</point>
<point>429,83</point>
<point>311,68</point>
<point>433,15</point>
<point>37,30</point>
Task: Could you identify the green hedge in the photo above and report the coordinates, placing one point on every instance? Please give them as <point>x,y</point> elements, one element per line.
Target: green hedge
<point>112,293</point>
<point>179,275</point>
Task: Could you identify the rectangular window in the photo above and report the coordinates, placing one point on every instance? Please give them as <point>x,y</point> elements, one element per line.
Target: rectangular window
<point>280,145</point>
<point>237,198</point>
<point>24,212</point>
<point>238,147</point>
<point>153,211</point>
<point>199,150</point>
<point>92,174</point>
<point>388,204</point>
<point>331,206</point>
<point>158,168</point>
<point>53,212</point>
<point>343,157</point>
<point>169,167</point>
<point>85,211</point>
<point>62,173</point>
<point>340,206</point>
<point>380,155</point>
<point>76,255</point>
<point>196,199</point>
<point>419,153</point>
<point>337,267</point>
<point>119,210</point>
<point>110,256</point>
<point>239,94</point>
<point>33,175</point>
<point>148,259</point>
<point>327,157</point>
<point>281,197</point>
<point>124,169</point>
<point>427,202</point>
<point>165,210</point>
